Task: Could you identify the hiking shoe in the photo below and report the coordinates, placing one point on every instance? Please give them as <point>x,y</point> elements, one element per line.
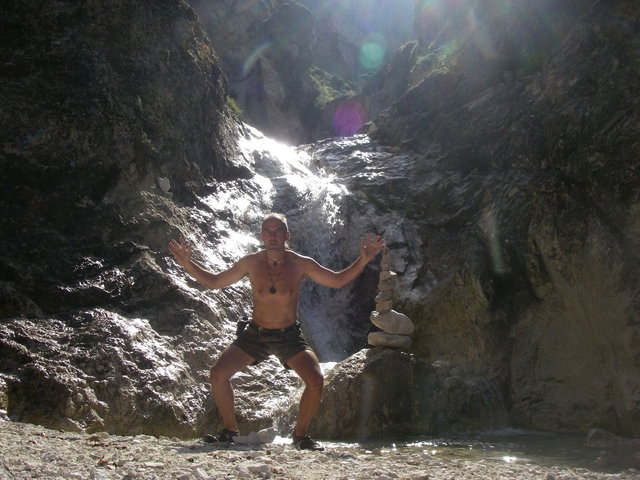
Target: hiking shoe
<point>306,443</point>
<point>225,436</point>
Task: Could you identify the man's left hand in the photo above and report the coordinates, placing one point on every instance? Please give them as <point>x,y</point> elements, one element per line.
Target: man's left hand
<point>370,246</point>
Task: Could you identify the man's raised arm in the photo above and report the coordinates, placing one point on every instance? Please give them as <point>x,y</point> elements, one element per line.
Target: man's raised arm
<point>182,253</point>
<point>369,248</point>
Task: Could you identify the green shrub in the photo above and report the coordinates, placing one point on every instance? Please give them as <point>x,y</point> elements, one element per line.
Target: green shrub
<point>329,86</point>
<point>231,102</point>
<point>441,58</point>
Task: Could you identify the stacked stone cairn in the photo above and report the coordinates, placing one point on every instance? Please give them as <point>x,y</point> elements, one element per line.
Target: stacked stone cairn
<point>396,328</point>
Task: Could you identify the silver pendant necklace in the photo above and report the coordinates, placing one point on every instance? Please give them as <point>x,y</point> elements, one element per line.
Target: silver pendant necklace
<point>273,289</point>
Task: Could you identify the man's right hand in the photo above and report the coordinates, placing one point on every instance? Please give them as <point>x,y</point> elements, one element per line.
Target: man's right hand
<point>181,251</point>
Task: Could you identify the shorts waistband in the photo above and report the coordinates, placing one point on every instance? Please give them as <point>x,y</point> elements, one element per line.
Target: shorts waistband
<point>273,331</point>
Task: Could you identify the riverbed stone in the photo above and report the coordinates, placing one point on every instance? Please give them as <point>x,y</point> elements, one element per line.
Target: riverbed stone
<point>384,306</point>
<point>384,296</point>
<point>266,435</point>
<point>392,322</point>
<point>383,339</point>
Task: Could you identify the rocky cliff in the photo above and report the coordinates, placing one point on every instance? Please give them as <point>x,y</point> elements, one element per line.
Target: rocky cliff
<point>524,215</point>
<point>504,180</point>
<point>531,260</point>
<point>118,137</point>
<point>112,115</point>
<point>295,67</point>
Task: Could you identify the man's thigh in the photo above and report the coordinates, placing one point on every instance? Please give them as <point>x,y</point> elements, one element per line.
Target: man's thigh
<point>306,365</point>
<point>232,360</point>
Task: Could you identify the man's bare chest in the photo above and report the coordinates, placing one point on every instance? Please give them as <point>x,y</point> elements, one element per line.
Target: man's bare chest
<point>276,278</point>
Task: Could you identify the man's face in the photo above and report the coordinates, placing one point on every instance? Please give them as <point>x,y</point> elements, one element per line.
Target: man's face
<point>274,233</point>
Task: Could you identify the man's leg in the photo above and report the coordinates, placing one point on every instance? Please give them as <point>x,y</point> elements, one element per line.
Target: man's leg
<point>306,365</point>
<point>231,361</point>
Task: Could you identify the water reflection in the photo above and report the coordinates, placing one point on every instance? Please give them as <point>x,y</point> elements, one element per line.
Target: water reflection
<point>511,446</point>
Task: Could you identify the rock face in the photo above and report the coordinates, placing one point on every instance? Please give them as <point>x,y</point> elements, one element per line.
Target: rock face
<point>118,139</point>
<point>528,272</point>
<point>99,104</point>
<point>506,189</point>
<point>265,51</point>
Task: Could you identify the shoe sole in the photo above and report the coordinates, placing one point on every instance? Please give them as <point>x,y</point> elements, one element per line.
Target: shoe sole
<point>214,439</point>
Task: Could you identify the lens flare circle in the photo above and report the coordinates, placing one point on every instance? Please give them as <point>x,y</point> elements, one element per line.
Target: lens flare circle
<point>254,56</point>
<point>348,118</point>
<point>372,51</point>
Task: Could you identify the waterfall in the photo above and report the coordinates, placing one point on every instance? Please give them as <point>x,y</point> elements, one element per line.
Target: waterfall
<point>319,209</point>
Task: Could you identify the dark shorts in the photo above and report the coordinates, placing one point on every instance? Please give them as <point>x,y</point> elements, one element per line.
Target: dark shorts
<point>261,342</point>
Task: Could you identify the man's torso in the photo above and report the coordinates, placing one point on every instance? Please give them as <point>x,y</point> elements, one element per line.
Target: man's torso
<point>276,290</point>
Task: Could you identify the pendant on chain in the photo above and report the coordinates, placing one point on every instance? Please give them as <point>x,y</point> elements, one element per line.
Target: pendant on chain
<point>273,290</point>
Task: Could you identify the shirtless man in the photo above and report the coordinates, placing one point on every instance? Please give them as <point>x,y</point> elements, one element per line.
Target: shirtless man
<point>275,274</point>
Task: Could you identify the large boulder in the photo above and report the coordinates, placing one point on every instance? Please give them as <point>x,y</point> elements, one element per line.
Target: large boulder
<point>386,393</point>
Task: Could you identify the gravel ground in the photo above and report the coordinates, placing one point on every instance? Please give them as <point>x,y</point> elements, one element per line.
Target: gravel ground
<point>29,451</point>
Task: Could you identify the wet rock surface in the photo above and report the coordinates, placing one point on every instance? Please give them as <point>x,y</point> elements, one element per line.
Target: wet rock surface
<point>524,261</point>
<point>99,328</point>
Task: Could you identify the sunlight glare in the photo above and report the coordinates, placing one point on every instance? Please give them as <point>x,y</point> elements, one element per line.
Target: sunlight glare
<point>326,367</point>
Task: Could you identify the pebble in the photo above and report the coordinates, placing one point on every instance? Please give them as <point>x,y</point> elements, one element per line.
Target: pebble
<point>29,451</point>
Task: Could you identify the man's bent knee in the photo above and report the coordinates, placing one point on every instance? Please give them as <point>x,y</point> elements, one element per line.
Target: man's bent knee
<point>314,380</point>
<point>306,366</point>
<point>218,374</point>
<point>232,360</point>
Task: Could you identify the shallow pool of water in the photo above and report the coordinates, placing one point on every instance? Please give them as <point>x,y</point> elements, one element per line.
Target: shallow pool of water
<point>512,446</point>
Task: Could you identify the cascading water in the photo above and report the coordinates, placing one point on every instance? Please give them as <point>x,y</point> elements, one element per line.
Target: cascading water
<point>328,191</point>
<point>323,223</point>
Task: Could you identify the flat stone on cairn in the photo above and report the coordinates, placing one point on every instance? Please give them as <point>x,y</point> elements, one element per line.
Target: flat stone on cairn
<point>382,339</point>
<point>392,322</point>
<point>396,327</point>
